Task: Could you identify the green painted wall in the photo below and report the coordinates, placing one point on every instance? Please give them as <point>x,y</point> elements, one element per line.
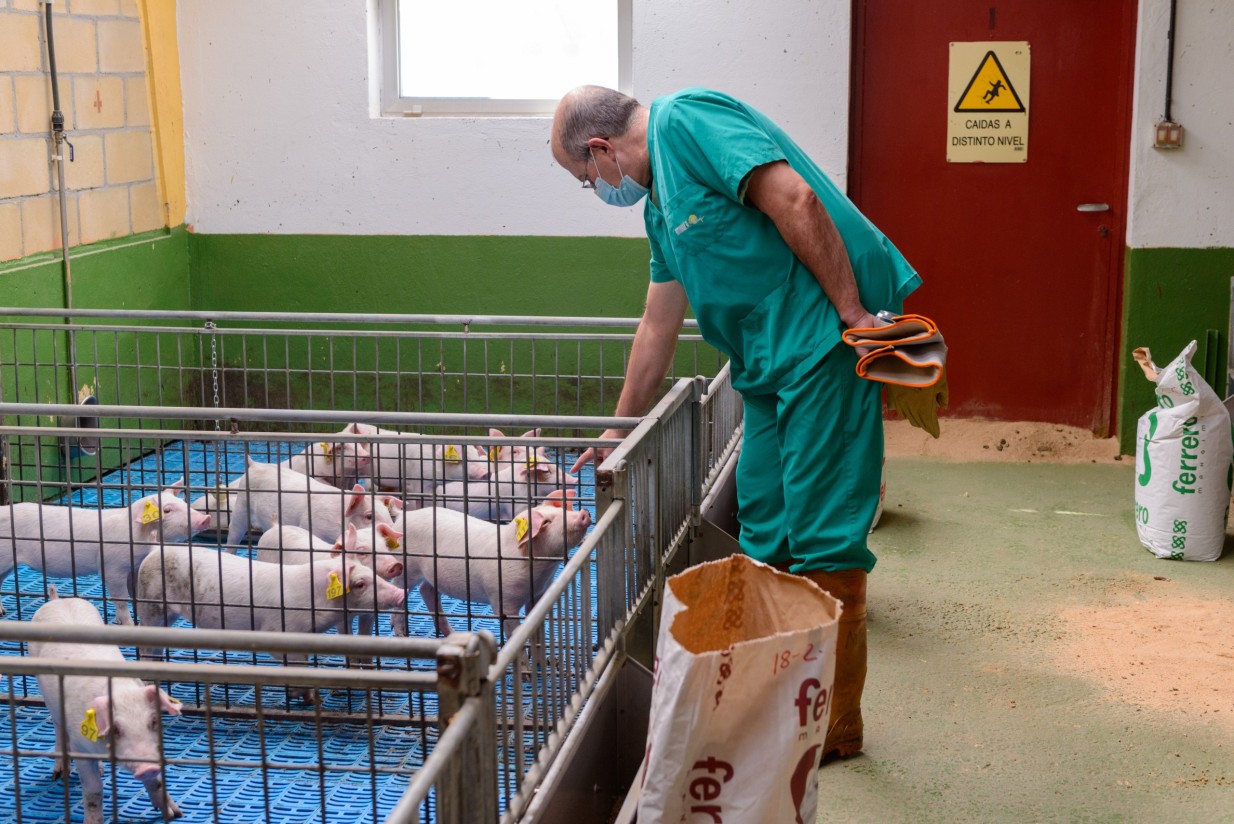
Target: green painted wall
<point>148,271</point>
<point>491,371</point>
<point>420,274</point>
<point>1171,297</point>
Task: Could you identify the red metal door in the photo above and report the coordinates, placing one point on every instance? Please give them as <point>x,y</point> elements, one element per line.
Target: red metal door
<point>1025,287</point>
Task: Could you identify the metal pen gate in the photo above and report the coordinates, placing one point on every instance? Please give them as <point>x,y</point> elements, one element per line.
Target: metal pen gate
<point>645,500</point>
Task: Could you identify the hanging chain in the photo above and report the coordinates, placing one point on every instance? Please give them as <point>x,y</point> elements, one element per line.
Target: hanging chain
<point>214,368</point>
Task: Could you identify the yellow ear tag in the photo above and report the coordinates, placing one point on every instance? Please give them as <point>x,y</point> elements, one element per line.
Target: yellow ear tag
<point>520,529</point>
<point>531,460</point>
<point>89,727</point>
<point>221,494</point>
<point>451,454</point>
<point>335,588</point>
<point>150,513</point>
<point>326,450</point>
<point>494,453</point>
<point>391,542</point>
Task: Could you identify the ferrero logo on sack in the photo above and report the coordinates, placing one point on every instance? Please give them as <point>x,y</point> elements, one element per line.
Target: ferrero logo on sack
<point>811,694</point>
<point>708,786</point>
<point>1185,485</point>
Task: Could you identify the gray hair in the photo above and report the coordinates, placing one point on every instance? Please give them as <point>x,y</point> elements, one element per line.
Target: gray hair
<point>594,111</point>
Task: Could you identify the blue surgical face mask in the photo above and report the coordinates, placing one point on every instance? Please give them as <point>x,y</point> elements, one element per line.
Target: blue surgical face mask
<point>627,194</point>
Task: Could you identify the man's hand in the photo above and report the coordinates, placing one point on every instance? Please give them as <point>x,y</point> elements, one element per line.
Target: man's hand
<point>864,320</point>
<point>600,453</point>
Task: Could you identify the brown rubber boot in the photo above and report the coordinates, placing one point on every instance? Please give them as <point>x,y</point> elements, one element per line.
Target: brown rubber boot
<point>845,729</point>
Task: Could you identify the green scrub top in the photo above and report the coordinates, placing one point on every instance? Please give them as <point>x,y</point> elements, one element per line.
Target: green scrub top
<point>754,300</point>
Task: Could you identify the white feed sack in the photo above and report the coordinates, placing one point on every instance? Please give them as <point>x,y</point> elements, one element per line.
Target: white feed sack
<point>1183,470</point>
<point>742,696</point>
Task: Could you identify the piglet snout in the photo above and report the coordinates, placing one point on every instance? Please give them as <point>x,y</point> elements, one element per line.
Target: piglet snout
<point>393,597</point>
<point>147,773</point>
<point>200,520</point>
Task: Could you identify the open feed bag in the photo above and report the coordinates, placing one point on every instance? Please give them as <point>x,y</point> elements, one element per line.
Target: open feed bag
<point>1183,469</point>
<point>742,697</point>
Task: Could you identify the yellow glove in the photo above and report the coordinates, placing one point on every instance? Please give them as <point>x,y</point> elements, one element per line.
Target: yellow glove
<point>919,406</point>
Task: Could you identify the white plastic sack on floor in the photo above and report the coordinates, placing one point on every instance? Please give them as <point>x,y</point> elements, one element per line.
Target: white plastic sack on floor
<point>1183,470</point>
<point>742,696</point>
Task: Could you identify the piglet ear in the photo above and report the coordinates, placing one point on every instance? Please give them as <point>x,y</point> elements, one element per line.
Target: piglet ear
<point>496,433</point>
<point>532,433</point>
<point>102,715</point>
<point>535,525</point>
<point>349,540</point>
<point>561,498</point>
<point>145,511</point>
<point>357,495</point>
<point>176,488</point>
<point>162,700</point>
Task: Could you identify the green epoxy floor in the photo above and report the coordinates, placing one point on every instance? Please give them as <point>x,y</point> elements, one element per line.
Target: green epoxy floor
<point>988,702</point>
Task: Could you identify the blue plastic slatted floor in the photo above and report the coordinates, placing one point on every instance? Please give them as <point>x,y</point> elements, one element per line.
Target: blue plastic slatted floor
<point>360,783</point>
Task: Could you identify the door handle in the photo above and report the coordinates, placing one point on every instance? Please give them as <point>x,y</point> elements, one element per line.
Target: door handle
<point>1093,207</point>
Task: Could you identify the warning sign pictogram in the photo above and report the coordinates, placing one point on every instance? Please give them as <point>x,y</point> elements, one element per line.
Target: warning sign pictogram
<point>988,109</point>
<point>990,90</point>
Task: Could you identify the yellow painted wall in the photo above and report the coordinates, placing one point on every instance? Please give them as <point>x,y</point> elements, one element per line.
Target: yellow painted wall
<point>166,103</point>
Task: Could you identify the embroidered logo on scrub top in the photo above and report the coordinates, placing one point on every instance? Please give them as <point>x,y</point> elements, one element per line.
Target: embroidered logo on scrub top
<point>687,223</point>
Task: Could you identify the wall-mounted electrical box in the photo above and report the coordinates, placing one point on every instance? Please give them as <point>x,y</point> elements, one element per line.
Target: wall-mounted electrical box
<point>1167,135</point>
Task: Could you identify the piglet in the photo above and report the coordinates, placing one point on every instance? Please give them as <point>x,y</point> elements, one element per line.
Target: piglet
<point>293,545</point>
<point>507,566</point>
<point>340,464</point>
<point>66,542</point>
<point>96,715</point>
<point>509,454</point>
<point>222,591</point>
<point>511,489</point>
<point>268,494</point>
<point>418,468</point>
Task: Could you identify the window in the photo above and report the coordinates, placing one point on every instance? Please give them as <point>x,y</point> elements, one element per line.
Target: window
<point>499,57</point>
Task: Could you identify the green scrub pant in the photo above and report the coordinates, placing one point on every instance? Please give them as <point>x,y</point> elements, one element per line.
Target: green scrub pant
<point>810,467</point>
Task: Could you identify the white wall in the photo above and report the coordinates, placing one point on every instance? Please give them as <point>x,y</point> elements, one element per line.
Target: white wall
<point>1184,198</point>
<point>279,136</point>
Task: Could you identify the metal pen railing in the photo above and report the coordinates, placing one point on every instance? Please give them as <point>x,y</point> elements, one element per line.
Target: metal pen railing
<point>520,708</point>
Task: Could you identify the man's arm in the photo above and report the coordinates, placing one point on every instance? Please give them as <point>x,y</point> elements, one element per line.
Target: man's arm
<point>776,190</point>
<point>655,342</point>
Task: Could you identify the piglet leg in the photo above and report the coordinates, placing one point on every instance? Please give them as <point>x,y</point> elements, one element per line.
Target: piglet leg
<point>92,788</point>
<point>433,601</point>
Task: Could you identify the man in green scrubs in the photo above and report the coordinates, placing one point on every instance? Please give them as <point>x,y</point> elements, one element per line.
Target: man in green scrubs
<point>775,262</point>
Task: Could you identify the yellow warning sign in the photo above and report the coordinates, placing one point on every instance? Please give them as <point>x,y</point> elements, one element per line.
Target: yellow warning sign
<point>989,90</point>
<point>987,101</point>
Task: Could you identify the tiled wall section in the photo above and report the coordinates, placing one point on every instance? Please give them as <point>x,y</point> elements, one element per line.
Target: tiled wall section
<point>101,63</point>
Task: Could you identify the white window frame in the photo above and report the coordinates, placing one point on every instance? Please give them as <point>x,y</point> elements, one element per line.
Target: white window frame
<point>393,105</point>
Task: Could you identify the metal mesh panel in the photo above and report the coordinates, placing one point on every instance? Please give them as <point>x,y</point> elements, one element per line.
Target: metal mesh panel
<point>196,401</point>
